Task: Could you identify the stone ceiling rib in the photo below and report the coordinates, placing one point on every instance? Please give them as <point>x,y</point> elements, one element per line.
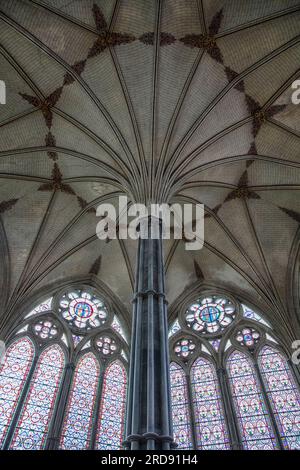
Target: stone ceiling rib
<point>142,134</point>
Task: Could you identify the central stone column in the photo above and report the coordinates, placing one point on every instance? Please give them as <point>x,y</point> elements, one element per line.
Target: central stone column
<point>149,423</point>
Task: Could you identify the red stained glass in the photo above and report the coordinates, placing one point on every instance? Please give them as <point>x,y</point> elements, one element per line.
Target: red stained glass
<point>33,424</point>
<point>78,422</point>
<point>112,411</point>
<point>13,374</point>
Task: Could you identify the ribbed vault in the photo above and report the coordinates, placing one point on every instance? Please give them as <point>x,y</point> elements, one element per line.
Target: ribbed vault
<point>163,100</point>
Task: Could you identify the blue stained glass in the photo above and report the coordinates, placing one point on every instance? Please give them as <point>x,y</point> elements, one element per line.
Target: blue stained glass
<point>254,422</point>
<point>210,314</point>
<point>210,424</point>
<point>112,411</point>
<point>174,328</point>
<point>283,393</point>
<point>83,310</point>
<point>180,408</point>
<point>248,313</point>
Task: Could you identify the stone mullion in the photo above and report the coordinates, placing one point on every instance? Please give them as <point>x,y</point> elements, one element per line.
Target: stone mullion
<point>229,410</point>
<point>97,407</point>
<point>57,425</point>
<point>192,411</point>
<point>269,407</point>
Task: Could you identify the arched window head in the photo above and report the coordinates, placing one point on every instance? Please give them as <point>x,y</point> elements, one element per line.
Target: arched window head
<point>254,423</point>
<point>210,315</point>
<point>110,433</point>
<point>82,310</point>
<point>33,424</point>
<point>77,428</point>
<point>13,373</point>
<point>283,394</point>
<point>180,408</point>
<point>211,431</point>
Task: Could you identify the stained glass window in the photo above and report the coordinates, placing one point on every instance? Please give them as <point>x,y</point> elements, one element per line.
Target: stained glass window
<point>106,345</point>
<point>112,410</point>
<point>13,374</point>
<point>78,421</point>
<point>254,422</point>
<point>248,337</point>
<point>82,310</point>
<point>284,395</point>
<point>180,408</point>
<point>174,328</point>
<point>210,424</point>
<point>210,314</point>
<point>45,329</point>
<point>116,325</point>
<point>248,313</point>
<point>184,348</point>
<point>33,424</point>
<point>76,340</point>
<point>43,307</point>
<point>215,344</point>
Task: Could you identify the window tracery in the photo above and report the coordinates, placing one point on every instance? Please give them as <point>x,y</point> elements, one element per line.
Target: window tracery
<point>71,341</point>
<point>234,366</point>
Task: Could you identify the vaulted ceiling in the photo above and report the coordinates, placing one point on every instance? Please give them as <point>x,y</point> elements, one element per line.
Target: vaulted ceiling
<point>163,100</point>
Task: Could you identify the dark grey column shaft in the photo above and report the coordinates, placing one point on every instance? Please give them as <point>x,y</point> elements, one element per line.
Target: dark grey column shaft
<point>149,403</point>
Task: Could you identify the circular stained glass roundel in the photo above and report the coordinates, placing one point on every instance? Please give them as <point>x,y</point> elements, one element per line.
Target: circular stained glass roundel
<point>247,337</point>
<point>83,310</point>
<point>184,348</point>
<point>45,329</point>
<point>106,345</point>
<point>210,315</point>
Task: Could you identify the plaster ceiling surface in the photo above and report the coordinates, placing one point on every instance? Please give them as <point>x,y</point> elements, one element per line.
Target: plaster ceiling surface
<point>164,101</point>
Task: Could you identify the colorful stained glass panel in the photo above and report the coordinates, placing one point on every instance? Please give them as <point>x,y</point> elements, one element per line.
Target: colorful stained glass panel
<point>254,422</point>
<point>78,422</point>
<point>180,408</point>
<point>112,411</point>
<point>209,415</point>
<point>33,424</point>
<point>13,374</point>
<point>283,394</point>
